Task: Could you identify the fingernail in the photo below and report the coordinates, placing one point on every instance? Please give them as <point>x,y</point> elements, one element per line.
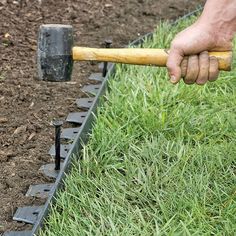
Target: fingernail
<point>172,79</point>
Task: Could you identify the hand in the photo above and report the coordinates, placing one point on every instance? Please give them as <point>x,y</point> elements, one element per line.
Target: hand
<point>195,42</point>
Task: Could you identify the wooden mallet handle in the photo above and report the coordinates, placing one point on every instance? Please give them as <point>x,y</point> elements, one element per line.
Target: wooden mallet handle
<point>140,56</point>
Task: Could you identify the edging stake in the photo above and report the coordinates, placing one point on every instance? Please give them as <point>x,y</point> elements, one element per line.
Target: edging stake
<point>57,124</point>
<point>108,43</point>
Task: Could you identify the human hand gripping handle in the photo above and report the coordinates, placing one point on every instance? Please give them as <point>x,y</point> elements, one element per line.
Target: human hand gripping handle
<point>212,32</point>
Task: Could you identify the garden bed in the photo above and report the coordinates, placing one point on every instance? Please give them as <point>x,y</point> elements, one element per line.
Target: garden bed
<point>161,158</point>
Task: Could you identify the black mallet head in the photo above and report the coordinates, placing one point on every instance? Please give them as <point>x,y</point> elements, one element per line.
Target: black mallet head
<point>54,55</point>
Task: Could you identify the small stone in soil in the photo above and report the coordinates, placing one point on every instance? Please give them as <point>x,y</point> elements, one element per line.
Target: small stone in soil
<point>3,120</point>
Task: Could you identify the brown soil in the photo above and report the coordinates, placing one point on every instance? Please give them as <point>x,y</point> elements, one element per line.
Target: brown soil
<point>27,106</point>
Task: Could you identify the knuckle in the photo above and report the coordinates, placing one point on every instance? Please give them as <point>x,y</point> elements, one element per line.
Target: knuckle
<point>176,44</point>
<point>213,61</point>
<point>177,47</point>
<point>204,54</point>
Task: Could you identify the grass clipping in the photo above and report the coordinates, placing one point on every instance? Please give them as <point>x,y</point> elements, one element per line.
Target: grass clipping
<point>161,159</point>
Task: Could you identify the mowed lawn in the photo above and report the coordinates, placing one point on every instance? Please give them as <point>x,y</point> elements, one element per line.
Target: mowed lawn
<point>161,159</point>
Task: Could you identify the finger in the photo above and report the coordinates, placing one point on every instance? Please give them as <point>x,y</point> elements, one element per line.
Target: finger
<point>192,70</point>
<point>213,69</point>
<point>184,66</point>
<point>173,65</point>
<point>204,66</point>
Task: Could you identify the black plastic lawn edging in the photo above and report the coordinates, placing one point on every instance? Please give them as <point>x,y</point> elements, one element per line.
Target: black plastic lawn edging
<point>40,213</point>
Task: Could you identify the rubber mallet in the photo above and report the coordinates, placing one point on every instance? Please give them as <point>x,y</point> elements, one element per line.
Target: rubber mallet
<point>56,54</point>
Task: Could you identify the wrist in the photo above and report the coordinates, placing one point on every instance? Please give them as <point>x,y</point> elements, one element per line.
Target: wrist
<point>219,19</point>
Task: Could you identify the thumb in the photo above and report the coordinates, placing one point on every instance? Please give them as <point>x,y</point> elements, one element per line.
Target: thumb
<point>174,65</point>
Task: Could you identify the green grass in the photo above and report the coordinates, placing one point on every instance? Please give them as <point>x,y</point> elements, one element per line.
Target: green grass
<point>160,161</point>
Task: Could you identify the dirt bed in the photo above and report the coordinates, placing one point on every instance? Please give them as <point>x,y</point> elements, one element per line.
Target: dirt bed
<point>27,106</point>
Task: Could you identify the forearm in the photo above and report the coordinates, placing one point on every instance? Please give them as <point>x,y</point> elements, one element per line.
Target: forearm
<point>220,16</point>
<point>213,31</point>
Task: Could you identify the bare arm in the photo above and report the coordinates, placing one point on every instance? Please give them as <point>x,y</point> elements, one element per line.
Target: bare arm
<point>214,30</point>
